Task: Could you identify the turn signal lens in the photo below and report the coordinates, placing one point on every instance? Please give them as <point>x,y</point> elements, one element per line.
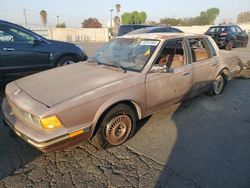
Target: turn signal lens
<point>76,133</point>
<point>50,122</point>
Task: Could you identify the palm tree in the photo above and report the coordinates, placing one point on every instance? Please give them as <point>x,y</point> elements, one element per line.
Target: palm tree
<point>43,15</point>
<point>118,8</point>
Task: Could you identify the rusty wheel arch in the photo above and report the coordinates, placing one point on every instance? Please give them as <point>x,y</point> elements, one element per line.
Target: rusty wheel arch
<point>135,107</point>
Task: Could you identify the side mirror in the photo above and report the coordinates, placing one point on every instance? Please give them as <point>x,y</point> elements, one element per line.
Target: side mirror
<point>37,41</point>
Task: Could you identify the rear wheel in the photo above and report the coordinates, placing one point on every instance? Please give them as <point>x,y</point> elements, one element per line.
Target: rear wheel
<point>67,60</point>
<point>218,85</point>
<point>229,45</point>
<point>116,127</point>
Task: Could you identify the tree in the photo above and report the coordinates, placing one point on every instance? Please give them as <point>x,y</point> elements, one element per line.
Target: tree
<point>134,17</point>
<point>118,8</point>
<point>43,16</point>
<point>243,17</point>
<point>91,23</point>
<point>206,18</point>
<point>212,14</point>
<point>61,25</point>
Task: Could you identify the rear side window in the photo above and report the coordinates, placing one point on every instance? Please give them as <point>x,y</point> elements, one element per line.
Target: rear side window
<point>199,49</point>
<point>217,29</point>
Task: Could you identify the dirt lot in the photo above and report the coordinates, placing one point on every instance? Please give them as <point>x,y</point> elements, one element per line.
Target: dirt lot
<point>203,142</point>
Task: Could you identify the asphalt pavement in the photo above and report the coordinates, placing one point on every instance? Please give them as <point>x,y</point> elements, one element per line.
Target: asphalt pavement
<point>203,142</point>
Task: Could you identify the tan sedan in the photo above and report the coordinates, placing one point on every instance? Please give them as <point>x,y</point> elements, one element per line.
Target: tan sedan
<point>101,99</point>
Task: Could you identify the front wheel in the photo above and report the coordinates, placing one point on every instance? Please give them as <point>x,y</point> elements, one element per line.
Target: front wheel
<point>218,86</point>
<point>245,43</point>
<point>116,127</point>
<point>67,60</point>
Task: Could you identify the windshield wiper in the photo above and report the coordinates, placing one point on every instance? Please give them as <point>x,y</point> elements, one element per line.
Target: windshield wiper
<point>120,67</point>
<point>94,60</point>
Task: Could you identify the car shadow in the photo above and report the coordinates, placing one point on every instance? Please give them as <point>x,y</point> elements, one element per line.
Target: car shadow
<point>211,148</point>
<point>14,153</point>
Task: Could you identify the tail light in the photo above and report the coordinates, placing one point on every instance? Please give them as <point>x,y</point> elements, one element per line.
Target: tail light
<point>223,34</point>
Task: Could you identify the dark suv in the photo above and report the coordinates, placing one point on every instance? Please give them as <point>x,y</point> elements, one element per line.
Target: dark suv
<point>228,36</point>
<point>24,52</point>
<point>156,29</point>
<point>123,29</point>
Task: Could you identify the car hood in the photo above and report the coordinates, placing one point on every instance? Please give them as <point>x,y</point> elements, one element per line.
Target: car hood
<point>57,85</point>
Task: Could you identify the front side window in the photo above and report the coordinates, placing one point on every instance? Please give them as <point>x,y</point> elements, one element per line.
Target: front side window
<point>5,37</point>
<point>171,56</point>
<point>9,34</point>
<point>239,30</point>
<point>128,53</point>
<point>233,29</point>
<point>198,49</point>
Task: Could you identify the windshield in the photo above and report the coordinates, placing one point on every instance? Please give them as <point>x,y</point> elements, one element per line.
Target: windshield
<point>127,53</point>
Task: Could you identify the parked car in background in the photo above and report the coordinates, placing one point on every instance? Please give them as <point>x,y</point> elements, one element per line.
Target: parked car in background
<point>129,78</point>
<point>157,29</point>
<point>228,36</point>
<point>123,29</point>
<point>24,52</point>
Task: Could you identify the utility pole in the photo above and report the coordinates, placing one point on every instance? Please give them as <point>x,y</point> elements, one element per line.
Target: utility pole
<point>25,18</point>
<point>111,10</point>
<point>57,20</point>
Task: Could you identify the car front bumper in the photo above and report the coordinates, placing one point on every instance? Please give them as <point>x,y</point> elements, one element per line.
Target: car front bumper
<point>54,143</point>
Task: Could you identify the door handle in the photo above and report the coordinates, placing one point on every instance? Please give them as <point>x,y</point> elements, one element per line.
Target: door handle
<point>186,73</point>
<point>213,65</point>
<point>8,49</point>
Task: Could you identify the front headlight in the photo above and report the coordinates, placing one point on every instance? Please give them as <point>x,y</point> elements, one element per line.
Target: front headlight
<point>33,120</point>
<point>50,122</point>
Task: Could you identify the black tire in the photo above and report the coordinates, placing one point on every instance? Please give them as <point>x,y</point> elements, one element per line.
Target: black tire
<point>67,60</point>
<point>115,127</point>
<point>229,45</point>
<point>217,86</point>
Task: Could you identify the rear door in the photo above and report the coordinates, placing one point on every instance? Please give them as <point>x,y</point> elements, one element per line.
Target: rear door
<point>20,54</point>
<point>170,77</point>
<point>204,63</point>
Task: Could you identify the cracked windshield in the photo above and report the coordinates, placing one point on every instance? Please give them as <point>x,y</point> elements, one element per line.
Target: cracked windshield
<point>129,53</point>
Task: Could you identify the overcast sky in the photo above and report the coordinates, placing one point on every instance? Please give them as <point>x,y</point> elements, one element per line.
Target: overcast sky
<point>75,11</point>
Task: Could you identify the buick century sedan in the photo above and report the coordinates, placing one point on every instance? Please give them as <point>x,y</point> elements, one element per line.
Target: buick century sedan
<point>128,79</point>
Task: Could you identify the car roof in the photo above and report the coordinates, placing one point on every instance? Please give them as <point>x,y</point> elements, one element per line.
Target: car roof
<point>23,28</point>
<point>10,23</point>
<point>223,25</point>
<point>154,28</point>
<point>134,25</point>
<point>161,36</point>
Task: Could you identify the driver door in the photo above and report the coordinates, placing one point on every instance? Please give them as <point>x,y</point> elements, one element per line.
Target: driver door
<point>168,82</point>
<point>19,55</point>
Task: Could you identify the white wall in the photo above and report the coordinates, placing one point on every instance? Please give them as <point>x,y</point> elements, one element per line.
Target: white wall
<point>79,34</point>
